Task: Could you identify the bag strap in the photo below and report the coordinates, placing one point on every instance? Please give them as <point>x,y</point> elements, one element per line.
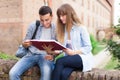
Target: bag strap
<point>37,25</point>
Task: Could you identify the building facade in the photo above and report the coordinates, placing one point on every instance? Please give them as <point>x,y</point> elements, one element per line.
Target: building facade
<point>16,15</point>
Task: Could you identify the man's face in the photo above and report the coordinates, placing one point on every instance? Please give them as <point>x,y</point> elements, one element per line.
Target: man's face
<point>46,20</point>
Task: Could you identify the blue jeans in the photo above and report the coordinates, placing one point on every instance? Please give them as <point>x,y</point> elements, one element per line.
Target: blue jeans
<point>64,67</point>
<point>29,61</point>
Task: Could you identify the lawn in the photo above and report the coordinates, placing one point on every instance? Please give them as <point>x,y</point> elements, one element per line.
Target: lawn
<point>111,65</point>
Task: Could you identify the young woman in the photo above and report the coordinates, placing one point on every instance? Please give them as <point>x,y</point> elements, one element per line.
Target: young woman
<point>72,34</point>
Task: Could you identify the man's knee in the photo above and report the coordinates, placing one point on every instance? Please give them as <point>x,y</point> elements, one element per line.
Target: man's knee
<point>13,74</point>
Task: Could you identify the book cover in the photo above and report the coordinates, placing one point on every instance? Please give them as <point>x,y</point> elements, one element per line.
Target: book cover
<point>40,43</point>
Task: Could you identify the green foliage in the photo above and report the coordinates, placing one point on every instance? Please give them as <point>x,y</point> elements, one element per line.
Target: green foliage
<point>98,48</point>
<point>118,31</point>
<point>104,40</point>
<point>94,42</point>
<point>6,56</point>
<point>3,56</point>
<point>116,26</point>
<point>112,64</point>
<point>114,49</point>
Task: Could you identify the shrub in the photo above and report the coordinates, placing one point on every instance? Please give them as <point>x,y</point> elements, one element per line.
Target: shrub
<point>118,31</point>
<point>94,42</point>
<point>114,48</point>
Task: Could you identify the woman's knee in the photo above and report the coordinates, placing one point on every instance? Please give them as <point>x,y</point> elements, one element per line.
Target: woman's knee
<point>60,61</point>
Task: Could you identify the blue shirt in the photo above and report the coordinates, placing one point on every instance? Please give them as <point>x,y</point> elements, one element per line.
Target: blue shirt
<point>30,32</point>
<point>80,40</point>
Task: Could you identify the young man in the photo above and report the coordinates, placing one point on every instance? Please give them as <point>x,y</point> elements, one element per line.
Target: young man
<point>46,31</point>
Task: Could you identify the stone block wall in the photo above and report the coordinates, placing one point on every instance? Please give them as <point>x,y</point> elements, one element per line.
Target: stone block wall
<point>10,25</point>
<point>34,74</point>
<point>10,37</point>
<point>15,16</point>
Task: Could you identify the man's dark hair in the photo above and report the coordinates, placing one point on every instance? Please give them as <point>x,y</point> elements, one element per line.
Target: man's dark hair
<point>45,10</point>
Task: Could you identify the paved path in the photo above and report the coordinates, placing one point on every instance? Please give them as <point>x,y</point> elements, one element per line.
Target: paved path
<point>101,59</point>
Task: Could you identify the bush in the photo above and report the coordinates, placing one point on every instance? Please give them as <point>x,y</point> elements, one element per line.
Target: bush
<point>94,42</point>
<point>114,49</point>
<point>118,31</point>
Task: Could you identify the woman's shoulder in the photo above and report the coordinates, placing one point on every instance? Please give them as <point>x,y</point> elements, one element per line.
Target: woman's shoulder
<point>80,26</point>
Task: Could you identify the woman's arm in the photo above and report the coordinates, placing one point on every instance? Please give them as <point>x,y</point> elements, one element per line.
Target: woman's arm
<point>72,52</point>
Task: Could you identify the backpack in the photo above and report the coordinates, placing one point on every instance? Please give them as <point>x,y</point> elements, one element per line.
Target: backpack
<point>23,51</point>
<point>37,25</point>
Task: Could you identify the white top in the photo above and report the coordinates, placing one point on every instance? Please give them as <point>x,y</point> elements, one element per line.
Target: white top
<point>45,34</point>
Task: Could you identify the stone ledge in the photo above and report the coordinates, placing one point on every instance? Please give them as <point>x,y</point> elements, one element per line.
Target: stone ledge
<point>34,74</point>
<point>96,74</point>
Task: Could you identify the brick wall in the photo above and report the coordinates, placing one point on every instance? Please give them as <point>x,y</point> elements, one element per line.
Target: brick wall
<point>10,10</point>
<point>15,16</point>
<point>10,36</point>
<point>10,25</point>
<point>20,13</point>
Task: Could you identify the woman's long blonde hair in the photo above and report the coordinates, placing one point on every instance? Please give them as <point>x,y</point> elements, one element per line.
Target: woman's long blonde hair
<point>71,18</point>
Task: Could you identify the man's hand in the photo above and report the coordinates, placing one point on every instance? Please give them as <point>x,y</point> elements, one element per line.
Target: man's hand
<point>26,43</point>
<point>49,57</point>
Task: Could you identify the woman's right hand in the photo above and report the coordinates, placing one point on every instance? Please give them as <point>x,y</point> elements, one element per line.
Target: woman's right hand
<point>69,51</point>
<point>26,43</point>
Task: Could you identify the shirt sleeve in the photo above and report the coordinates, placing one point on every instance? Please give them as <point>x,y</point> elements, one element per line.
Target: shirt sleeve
<point>86,43</point>
<point>29,32</point>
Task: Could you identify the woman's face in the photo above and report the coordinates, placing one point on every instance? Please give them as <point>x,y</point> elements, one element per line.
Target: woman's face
<point>63,19</point>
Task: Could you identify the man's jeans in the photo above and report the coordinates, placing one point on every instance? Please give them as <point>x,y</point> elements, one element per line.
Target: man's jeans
<point>29,61</point>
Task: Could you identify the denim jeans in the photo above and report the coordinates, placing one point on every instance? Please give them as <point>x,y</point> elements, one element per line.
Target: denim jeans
<point>64,67</point>
<point>29,61</point>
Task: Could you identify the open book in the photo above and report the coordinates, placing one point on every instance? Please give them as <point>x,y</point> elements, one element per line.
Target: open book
<point>41,43</point>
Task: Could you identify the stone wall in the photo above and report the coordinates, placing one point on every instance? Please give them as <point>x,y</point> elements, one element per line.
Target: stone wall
<point>34,74</point>
<point>15,16</point>
<point>10,25</point>
<point>10,37</point>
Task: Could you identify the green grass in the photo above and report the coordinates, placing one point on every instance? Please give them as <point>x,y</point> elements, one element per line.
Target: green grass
<point>112,64</point>
<point>6,56</point>
<point>99,47</point>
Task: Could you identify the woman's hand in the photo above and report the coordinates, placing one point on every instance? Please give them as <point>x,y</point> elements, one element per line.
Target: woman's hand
<point>49,57</point>
<point>26,43</point>
<point>69,51</point>
<point>48,49</point>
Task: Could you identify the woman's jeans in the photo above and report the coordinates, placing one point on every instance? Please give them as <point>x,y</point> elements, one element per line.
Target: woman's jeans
<point>64,67</point>
<point>29,61</point>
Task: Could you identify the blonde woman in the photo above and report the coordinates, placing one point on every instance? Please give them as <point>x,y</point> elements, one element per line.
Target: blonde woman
<point>72,34</point>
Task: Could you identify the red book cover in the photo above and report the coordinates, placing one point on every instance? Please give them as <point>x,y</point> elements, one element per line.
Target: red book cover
<point>40,43</point>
